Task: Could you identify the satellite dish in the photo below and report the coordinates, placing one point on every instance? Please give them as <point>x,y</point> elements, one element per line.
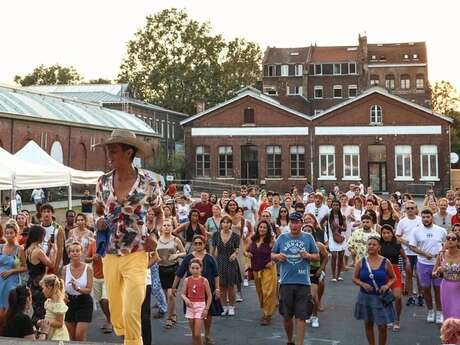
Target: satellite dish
<point>454,158</point>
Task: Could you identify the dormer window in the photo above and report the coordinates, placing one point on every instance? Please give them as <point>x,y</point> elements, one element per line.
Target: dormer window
<point>373,57</point>
<point>406,56</point>
<point>415,56</point>
<point>376,115</point>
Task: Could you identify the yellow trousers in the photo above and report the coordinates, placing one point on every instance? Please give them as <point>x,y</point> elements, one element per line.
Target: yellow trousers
<point>125,278</point>
<point>266,287</point>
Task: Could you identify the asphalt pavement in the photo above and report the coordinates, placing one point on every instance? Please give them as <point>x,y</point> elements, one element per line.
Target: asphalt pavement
<point>337,325</point>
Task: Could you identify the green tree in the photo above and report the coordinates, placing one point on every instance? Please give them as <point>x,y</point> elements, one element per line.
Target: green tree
<point>175,61</point>
<point>446,100</point>
<point>175,164</point>
<point>50,75</point>
<point>100,81</point>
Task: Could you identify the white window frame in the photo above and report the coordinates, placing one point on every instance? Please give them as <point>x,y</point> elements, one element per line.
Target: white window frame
<point>267,90</point>
<point>298,70</point>
<point>318,87</point>
<point>429,150</point>
<point>415,56</point>
<point>201,150</point>
<point>337,87</point>
<point>356,68</point>
<point>390,82</point>
<point>405,84</point>
<point>373,117</point>
<point>353,151</point>
<point>328,151</point>
<point>284,70</point>
<point>352,87</point>
<point>403,151</point>
<point>333,69</point>
<point>419,83</point>
<point>297,150</point>
<point>225,151</point>
<point>318,111</point>
<point>274,150</point>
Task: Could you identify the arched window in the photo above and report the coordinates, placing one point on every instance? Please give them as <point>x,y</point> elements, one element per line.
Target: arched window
<point>56,152</point>
<point>376,115</point>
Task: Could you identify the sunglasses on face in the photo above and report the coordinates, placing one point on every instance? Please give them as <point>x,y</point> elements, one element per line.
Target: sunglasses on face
<point>283,211</point>
<point>451,238</point>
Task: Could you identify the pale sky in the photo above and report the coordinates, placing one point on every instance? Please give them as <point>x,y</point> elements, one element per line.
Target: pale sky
<point>91,34</point>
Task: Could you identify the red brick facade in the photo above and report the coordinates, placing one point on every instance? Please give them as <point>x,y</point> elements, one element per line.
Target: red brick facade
<point>397,115</point>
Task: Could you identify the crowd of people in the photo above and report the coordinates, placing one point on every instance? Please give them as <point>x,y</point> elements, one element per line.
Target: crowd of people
<point>132,243</point>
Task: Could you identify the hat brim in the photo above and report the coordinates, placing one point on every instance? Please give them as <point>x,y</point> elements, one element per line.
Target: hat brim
<point>143,148</point>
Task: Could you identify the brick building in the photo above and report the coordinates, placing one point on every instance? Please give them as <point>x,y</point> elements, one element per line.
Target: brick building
<point>378,137</point>
<point>313,79</point>
<point>118,96</point>
<point>66,128</point>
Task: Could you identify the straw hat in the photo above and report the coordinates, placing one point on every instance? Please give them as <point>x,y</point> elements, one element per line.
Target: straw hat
<point>124,136</point>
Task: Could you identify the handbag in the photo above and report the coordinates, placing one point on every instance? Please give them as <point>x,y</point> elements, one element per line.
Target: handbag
<point>387,297</point>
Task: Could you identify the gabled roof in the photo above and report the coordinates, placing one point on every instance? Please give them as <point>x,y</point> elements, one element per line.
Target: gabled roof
<point>334,54</point>
<point>275,55</point>
<point>248,92</point>
<point>25,103</point>
<point>394,53</point>
<point>383,92</point>
<point>100,93</point>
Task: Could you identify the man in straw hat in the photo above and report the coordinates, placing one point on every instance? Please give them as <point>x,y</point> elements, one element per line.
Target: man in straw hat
<point>126,193</point>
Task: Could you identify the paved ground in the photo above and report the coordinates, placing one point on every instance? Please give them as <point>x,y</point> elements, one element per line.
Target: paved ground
<point>337,325</point>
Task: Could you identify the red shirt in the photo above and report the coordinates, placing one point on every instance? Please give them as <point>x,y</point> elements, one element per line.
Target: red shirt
<point>204,208</point>
<point>196,290</point>
<point>455,219</point>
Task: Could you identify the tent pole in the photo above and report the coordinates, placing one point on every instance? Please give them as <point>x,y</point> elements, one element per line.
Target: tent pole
<point>70,196</point>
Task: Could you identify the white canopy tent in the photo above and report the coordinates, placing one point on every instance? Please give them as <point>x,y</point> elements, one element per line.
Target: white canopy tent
<point>17,174</point>
<point>32,152</point>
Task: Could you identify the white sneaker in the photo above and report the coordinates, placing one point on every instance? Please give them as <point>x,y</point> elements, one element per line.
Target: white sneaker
<point>308,320</point>
<point>314,322</point>
<point>225,312</point>
<point>430,316</point>
<point>231,311</point>
<point>439,318</point>
<point>334,280</point>
<point>246,282</point>
<point>238,298</point>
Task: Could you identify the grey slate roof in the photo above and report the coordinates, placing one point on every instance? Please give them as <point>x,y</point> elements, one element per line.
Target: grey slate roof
<point>40,106</point>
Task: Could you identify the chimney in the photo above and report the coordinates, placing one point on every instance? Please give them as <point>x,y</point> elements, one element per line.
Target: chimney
<point>200,106</point>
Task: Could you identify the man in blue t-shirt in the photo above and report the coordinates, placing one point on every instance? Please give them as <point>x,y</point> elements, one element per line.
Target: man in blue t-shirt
<point>294,251</point>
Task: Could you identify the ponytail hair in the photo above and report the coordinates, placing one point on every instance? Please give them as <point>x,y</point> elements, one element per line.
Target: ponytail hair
<point>55,284</point>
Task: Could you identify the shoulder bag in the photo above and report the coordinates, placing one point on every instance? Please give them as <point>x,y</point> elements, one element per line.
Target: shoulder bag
<point>387,297</point>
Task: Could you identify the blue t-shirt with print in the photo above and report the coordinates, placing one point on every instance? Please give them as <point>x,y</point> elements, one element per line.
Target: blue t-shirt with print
<point>295,270</point>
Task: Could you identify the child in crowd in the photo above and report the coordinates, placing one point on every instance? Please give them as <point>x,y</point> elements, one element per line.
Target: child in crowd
<point>53,289</point>
<point>197,296</point>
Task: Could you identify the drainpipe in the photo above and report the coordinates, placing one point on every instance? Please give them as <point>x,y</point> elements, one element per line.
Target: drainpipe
<point>311,133</point>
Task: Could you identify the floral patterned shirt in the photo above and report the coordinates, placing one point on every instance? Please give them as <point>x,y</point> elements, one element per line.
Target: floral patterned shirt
<point>358,241</point>
<point>126,217</point>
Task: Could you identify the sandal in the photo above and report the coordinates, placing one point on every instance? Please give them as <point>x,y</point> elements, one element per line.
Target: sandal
<point>169,324</point>
<point>396,327</point>
<point>107,329</point>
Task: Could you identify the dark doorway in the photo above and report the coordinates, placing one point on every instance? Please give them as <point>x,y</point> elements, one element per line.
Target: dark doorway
<point>249,164</point>
<point>377,168</point>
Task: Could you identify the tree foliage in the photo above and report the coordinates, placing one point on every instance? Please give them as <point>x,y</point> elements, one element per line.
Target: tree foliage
<point>50,75</point>
<point>446,100</point>
<point>175,61</point>
<point>100,81</point>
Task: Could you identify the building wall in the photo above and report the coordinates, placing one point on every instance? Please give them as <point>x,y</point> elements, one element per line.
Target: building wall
<point>396,114</point>
<point>76,142</point>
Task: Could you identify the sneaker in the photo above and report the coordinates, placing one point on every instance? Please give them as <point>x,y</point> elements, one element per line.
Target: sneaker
<point>238,298</point>
<point>225,312</point>
<point>334,280</point>
<point>308,320</point>
<point>231,311</point>
<point>439,318</point>
<point>246,282</point>
<point>420,301</point>
<point>430,316</point>
<point>314,322</point>
<point>340,279</point>
<point>410,301</point>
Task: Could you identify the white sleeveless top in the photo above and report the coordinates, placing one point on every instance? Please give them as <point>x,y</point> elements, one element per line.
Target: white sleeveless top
<point>80,282</point>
